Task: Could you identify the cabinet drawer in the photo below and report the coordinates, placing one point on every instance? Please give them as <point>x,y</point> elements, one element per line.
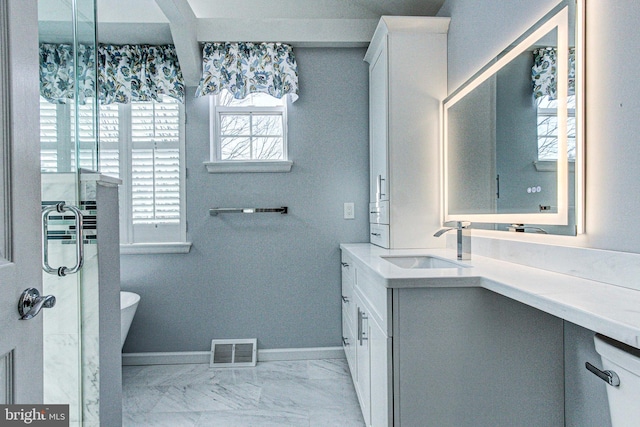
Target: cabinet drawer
<point>379,235</point>
<point>348,269</point>
<point>375,299</point>
<point>379,212</point>
<point>349,341</point>
<point>348,306</point>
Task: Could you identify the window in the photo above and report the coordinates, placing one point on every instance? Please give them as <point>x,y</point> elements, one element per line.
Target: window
<point>548,128</point>
<point>57,135</point>
<point>141,143</point>
<point>248,135</point>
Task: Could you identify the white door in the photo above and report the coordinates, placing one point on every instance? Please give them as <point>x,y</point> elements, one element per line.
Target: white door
<point>20,340</point>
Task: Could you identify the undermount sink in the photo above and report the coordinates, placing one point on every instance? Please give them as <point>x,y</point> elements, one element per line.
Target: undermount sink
<point>422,261</point>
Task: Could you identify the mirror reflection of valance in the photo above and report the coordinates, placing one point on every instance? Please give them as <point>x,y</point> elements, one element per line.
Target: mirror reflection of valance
<point>544,72</point>
<point>125,73</point>
<point>244,68</point>
<point>58,77</point>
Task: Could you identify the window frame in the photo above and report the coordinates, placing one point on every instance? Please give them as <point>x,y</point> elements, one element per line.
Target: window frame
<point>130,243</point>
<point>218,165</point>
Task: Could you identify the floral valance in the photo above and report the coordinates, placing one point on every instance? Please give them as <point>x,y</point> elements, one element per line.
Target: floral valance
<point>244,68</point>
<point>544,72</point>
<point>58,75</point>
<point>125,73</point>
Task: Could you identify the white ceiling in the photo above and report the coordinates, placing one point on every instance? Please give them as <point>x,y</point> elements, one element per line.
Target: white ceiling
<point>142,21</point>
<point>305,9</point>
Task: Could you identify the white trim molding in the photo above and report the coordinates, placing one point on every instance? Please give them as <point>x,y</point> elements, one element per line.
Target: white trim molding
<point>203,357</point>
<point>249,166</point>
<point>155,248</point>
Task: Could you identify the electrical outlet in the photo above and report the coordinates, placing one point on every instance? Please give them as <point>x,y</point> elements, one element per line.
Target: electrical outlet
<point>349,210</point>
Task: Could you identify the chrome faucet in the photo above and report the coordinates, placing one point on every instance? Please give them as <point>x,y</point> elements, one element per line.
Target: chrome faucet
<point>463,237</point>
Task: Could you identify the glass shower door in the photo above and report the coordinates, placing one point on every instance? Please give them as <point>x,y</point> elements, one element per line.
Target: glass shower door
<point>68,122</point>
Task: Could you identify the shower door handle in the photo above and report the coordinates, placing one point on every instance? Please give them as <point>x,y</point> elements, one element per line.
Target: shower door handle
<point>62,270</point>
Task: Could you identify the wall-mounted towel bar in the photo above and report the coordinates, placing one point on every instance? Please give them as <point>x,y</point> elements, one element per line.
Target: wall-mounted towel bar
<point>215,211</point>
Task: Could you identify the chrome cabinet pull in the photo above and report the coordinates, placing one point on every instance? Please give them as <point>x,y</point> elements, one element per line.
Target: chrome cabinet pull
<point>62,270</point>
<point>345,299</point>
<point>345,264</point>
<point>362,333</point>
<point>609,377</point>
<point>375,234</point>
<point>345,341</point>
<point>379,185</point>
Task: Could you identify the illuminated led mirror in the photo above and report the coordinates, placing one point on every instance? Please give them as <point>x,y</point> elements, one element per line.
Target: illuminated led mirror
<point>513,147</point>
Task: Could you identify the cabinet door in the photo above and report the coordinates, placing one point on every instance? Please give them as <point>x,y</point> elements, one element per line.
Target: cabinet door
<point>378,116</point>
<point>379,349</point>
<point>362,384</point>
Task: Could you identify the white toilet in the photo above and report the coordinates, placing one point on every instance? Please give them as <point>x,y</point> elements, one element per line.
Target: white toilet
<point>625,362</point>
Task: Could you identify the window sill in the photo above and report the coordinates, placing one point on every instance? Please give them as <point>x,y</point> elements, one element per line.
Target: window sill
<point>259,166</point>
<point>551,165</point>
<point>155,248</point>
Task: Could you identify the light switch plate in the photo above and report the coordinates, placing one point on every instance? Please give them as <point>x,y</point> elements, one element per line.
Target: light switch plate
<point>349,210</point>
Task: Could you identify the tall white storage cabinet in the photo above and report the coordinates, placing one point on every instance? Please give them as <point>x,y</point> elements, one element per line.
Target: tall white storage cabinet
<point>407,81</point>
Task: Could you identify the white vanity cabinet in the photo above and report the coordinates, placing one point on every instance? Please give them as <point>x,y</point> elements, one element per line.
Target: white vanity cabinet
<point>366,341</point>
<point>443,354</point>
<point>407,81</point>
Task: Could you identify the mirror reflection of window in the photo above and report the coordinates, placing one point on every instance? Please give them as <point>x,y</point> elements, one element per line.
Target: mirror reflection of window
<point>544,76</point>
<point>548,128</point>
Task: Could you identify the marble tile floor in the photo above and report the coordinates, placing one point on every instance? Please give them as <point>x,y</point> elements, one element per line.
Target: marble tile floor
<point>309,393</point>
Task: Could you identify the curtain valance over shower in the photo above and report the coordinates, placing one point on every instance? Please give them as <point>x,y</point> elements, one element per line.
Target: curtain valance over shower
<point>244,68</point>
<point>125,73</point>
<point>544,72</point>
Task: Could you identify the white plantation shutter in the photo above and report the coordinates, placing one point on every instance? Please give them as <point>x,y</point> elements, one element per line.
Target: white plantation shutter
<point>142,144</point>
<point>109,128</point>
<point>156,171</point>
<point>86,132</point>
<point>48,136</point>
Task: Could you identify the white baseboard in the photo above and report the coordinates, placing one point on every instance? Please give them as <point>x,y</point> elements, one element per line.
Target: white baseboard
<point>274,354</point>
<point>264,355</point>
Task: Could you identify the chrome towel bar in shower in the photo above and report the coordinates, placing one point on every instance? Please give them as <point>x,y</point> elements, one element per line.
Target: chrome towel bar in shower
<point>215,211</point>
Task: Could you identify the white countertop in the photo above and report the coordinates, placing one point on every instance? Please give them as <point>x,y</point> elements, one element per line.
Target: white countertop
<point>611,310</point>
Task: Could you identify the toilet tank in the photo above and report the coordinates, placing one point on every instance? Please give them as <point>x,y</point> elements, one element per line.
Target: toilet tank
<point>624,400</point>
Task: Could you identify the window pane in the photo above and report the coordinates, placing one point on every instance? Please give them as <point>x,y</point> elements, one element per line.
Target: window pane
<point>547,126</point>
<point>267,125</point>
<point>235,124</point>
<point>548,148</point>
<point>252,100</point>
<point>268,148</point>
<point>235,148</point>
<point>264,100</point>
<point>571,148</point>
<point>225,98</point>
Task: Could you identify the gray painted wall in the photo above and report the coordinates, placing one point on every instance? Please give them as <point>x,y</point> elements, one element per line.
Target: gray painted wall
<point>268,276</point>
